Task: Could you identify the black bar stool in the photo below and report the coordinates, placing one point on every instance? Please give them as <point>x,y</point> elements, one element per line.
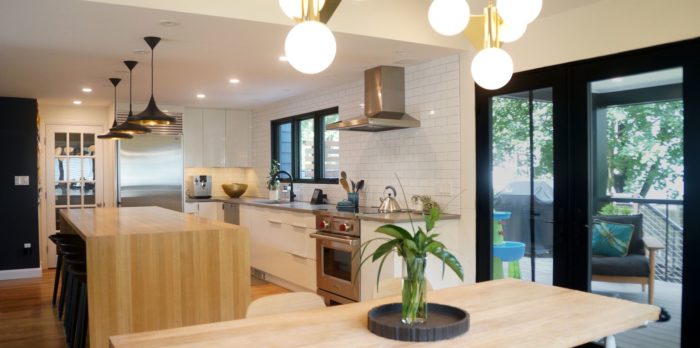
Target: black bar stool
<point>75,321</point>
<point>71,254</point>
<point>56,239</point>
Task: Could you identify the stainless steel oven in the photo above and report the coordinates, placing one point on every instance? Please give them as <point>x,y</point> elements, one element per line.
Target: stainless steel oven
<point>337,259</point>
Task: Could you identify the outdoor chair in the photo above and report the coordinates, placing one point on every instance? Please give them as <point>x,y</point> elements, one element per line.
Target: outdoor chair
<point>638,265</point>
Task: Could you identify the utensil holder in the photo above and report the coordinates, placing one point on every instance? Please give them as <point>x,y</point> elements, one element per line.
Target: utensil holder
<point>354,197</point>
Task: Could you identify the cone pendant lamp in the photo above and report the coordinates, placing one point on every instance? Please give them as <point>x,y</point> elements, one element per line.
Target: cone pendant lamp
<point>112,134</point>
<point>152,115</point>
<point>128,127</point>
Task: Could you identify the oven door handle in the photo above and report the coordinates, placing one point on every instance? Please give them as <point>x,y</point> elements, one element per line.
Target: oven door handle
<point>323,236</point>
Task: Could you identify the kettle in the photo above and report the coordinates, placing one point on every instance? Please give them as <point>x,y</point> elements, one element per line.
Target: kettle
<point>389,203</point>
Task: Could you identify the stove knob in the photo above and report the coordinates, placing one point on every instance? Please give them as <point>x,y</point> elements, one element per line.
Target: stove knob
<point>323,224</point>
<point>345,227</point>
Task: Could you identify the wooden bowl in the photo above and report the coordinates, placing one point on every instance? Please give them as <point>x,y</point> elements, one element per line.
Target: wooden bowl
<point>234,190</point>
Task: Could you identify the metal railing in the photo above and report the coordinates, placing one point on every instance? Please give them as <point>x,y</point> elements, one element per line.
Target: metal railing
<point>658,222</point>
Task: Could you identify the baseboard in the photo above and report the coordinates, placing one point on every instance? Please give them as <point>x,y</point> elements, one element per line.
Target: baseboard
<point>20,273</point>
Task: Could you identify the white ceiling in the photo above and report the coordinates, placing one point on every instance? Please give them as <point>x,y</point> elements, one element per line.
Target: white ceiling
<point>50,49</point>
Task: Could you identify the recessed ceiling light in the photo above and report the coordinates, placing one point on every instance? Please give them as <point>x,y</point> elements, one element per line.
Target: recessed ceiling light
<point>87,89</point>
<point>168,23</point>
<point>284,59</point>
<point>140,51</point>
<point>234,81</point>
<point>77,102</point>
<point>201,96</point>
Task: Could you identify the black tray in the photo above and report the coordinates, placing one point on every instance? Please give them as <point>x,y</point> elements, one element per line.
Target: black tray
<point>443,322</point>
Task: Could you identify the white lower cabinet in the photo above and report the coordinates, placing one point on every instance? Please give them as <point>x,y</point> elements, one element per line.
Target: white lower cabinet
<point>208,210</point>
<point>280,244</point>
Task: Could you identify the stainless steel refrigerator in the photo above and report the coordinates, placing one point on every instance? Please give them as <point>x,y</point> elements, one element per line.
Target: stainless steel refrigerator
<point>150,171</point>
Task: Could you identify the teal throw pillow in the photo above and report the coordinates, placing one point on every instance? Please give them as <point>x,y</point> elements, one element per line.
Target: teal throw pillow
<point>611,239</point>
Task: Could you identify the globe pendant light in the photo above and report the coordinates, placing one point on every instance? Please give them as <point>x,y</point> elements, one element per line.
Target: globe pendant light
<point>449,17</point>
<point>152,115</point>
<point>310,46</point>
<point>492,67</point>
<point>128,127</point>
<point>112,134</point>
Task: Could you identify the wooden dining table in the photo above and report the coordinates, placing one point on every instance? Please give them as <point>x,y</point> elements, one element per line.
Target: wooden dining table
<point>504,313</point>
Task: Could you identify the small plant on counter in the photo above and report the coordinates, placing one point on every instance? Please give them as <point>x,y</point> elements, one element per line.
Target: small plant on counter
<point>273,184</point>
<point>413,248</point>
<point>427,203</point>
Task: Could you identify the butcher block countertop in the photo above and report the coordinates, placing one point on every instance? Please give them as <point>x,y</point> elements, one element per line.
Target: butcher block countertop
<point>504,313</point>
<point>150,268</point>
<point>135,220</point>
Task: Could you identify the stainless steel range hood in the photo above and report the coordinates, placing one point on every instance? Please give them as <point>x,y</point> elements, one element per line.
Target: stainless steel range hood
<point>384,103</point>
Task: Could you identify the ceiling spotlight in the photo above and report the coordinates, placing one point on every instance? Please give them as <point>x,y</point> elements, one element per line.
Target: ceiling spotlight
<point>168,23</point>
<point>234,81</point>
<point>87,89</point>
<point>201,96</point>
<point>140,52</point>
<point>77,102</point>
<point>283,59</point>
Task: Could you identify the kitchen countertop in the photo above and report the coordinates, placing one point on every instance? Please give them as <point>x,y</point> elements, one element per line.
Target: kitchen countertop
<point>306,207</point>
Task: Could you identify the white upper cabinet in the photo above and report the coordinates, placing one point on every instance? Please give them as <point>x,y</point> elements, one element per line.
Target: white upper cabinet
<point>238,138</point>
<point>214,136</point>
<point>217,137</point>
<point>192,130</point>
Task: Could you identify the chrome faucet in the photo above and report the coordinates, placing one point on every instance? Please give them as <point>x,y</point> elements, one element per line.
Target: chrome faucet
<point>291,183</point>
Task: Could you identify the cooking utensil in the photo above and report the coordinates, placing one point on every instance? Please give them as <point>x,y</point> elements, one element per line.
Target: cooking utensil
<point>360,185</point>
<point>344,184</point>
<point>353,186</point>
<point>389,204</point>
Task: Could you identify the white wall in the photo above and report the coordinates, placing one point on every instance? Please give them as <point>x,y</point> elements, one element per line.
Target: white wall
<point>422,157</point>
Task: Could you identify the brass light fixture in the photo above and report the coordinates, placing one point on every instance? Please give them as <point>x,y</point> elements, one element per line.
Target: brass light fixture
<point>128,127</point>
<point>504,21</point>
<point>152,115</point>
<point>112,134</point>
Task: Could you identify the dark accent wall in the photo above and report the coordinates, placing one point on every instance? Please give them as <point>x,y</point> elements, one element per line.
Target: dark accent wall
<point>19,221</point>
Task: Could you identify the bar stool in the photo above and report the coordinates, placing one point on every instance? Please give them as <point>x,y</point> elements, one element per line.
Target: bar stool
<point>56,239</point>
<point>75,322</point>
<point>72,253</point>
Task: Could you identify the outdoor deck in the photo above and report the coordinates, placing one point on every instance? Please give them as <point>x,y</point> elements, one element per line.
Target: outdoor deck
<point>654,335</point>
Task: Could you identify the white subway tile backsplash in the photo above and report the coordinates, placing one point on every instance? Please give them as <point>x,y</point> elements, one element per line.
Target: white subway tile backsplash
<point>422,157</point>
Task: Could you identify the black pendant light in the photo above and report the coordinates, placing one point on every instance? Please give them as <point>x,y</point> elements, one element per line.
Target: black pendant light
<point>152,115</point>
<point>128,127</point>
<point>112,134</point>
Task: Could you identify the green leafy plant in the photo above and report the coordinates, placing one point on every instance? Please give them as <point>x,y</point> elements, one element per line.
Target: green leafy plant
<point>274,168</point>
<point>612,209</point>
<point>427,202</point>
<point>410,247</point>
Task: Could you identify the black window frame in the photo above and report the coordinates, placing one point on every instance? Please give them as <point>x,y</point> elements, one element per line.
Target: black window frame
<point>319,130</point>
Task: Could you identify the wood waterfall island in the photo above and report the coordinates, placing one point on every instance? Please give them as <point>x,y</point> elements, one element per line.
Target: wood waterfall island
<point>151,268</point>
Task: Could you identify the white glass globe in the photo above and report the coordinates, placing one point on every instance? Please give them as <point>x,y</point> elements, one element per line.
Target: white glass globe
<point>492,68</point>
<point>522,11</point>
<point>310,47</point>
<point>511,31</point>
<point>449,17</point>
<point>292,8</point>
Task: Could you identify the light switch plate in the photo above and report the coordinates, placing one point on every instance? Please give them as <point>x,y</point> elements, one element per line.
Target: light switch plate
<point>22,180</point>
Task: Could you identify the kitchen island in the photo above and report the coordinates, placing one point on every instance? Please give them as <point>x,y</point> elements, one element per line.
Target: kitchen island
<point>151,268</point>
<point>504,313</point>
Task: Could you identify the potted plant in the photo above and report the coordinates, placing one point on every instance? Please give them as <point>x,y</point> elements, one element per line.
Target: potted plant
<point>273,185</point>
<point>426,202</point>
<point>413,248</point>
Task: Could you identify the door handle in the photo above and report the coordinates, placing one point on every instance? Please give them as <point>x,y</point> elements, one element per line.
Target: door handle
<point>348,241</point>
<point>297,255</point>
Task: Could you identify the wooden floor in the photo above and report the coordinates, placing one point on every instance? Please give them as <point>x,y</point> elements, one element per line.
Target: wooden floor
<point>27,318</point>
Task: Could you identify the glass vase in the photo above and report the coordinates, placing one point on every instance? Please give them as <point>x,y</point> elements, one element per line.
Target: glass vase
<point>414,306</point>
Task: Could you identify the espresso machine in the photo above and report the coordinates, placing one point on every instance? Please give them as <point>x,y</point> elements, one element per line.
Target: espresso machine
<point>201,186</point>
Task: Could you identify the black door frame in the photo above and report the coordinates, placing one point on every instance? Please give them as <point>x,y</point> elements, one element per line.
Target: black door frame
<point>571,236</point>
